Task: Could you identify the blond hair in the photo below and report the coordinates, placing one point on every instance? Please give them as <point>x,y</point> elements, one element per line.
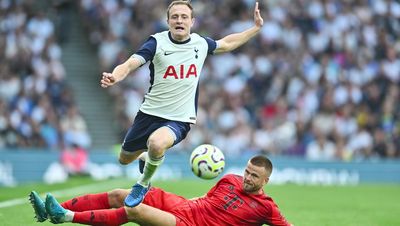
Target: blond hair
<point>180,2</point>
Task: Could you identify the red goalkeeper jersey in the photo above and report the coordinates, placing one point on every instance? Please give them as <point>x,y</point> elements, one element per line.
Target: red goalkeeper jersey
<point>228,204</point>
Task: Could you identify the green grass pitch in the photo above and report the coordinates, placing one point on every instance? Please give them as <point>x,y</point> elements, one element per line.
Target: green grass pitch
<point>366,205</point>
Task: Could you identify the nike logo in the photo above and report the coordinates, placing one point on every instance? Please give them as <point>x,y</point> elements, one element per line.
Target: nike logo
<point>167,53</point>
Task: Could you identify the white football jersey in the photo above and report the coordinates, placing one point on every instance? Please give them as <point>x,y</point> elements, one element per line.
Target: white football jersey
<point>175,71</point>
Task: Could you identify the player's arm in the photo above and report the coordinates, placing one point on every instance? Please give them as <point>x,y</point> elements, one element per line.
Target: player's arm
<point>233,41</point>
<point>120,72</point>
<point>275,217</point>
<point>144,54</point>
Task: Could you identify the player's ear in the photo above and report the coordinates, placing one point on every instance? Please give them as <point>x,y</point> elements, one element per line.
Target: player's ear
<point>266,180</point>
<point>193,20</point>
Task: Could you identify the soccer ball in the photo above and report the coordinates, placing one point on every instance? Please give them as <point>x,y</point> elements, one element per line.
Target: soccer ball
<point>207,161</point>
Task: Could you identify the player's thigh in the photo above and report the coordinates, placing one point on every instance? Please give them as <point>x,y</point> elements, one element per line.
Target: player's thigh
<point>126,157</point>
<point>161,139</point>
<point>138,134</point>
<point>163,200</point>
<point>147,215</point>
<point>168,134</point>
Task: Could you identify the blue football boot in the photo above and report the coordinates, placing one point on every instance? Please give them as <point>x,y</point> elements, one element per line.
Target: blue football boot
<point>136,195</point>
<point>38,206</point>
<point>55,211</point>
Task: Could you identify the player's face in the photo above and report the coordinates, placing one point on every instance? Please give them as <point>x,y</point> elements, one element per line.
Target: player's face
<point>180,21</point>
<point>254,179</point>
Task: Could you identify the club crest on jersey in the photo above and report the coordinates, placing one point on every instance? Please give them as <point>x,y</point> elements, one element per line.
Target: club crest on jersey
<point>196,52</point>
<point>180,72</point>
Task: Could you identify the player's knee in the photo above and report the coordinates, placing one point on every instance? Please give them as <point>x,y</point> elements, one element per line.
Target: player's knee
<point>126,159</point>
<point>116,197</point>
<point>133,213</point>
<point>123,161</point>
<point>155,147</point>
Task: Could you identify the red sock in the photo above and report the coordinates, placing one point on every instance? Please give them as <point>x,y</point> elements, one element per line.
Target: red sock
<point>110,217</point>
<point>87,202</point>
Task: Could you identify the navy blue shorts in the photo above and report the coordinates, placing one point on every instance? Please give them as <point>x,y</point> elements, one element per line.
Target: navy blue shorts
<point>144,125</point>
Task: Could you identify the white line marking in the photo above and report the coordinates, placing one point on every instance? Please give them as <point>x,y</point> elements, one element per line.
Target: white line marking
<point>75,191</point>
<point>12,202</point>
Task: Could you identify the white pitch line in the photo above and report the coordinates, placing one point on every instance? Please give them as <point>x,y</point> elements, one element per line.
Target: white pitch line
<point>96,187</point>
<point>12,202</point>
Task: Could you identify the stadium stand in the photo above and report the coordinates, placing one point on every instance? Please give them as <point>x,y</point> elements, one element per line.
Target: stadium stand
<point>37,107</point>
<point>320,81</point>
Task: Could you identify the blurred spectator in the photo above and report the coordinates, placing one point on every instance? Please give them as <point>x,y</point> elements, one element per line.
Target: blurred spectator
<point>331,65</point>
<point>321,148</point>
<point>75,160</point>
<point>74,129</point>
<point>33,91</point>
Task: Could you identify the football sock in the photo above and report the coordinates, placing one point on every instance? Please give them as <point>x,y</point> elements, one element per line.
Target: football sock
<point>110,217</point>
<point>69,215</point>
<point>143,156</point>
<point>149,169</point>
<point>87,202</point>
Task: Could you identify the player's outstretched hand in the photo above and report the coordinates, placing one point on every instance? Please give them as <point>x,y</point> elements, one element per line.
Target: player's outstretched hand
<point>258,20</point>
<point>107,80</point>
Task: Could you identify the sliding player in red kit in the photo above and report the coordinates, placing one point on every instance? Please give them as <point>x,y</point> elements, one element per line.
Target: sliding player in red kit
<point>234,200</point>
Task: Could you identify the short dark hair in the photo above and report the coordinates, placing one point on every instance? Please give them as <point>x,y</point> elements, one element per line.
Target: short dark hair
<point>180,2</point>
<point>262,161</point>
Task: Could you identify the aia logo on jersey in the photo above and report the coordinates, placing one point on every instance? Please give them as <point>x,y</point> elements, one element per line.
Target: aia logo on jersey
<point>181,72</point>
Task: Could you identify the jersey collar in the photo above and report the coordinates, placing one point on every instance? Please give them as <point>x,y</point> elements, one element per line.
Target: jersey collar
<point>177,42</point>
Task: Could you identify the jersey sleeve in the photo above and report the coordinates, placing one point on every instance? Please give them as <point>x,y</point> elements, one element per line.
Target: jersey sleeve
<point>147,51</point>
<point>274,216</point>
<point>212,45</point>
<point>211,191</point>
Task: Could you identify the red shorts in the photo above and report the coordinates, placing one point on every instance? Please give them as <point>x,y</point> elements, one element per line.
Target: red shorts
<point>175,204</point>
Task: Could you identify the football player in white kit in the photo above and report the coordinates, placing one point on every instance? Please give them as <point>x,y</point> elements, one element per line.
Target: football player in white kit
<point>176,58</point>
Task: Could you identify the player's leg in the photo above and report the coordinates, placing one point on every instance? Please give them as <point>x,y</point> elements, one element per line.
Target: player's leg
<point>116,197</point>
<point>169,134</point>
<point>147,215</point>
<point>88,202</point>
<point>57,215</point>
<point>106,200</point>
<point>160,199</point>
<point>142,160</point>
<point>126,157</point>
<point>142,214</point>
<point>156,197</point>
<point>156,202</point>
<point>81,203</point>
<point>159,141</point>
<point>135,141</point>
<point>164,134</point>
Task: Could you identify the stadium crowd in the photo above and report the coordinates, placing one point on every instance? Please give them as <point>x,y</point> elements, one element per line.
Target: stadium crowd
<point>37,108</point>
<point>320,81</point>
